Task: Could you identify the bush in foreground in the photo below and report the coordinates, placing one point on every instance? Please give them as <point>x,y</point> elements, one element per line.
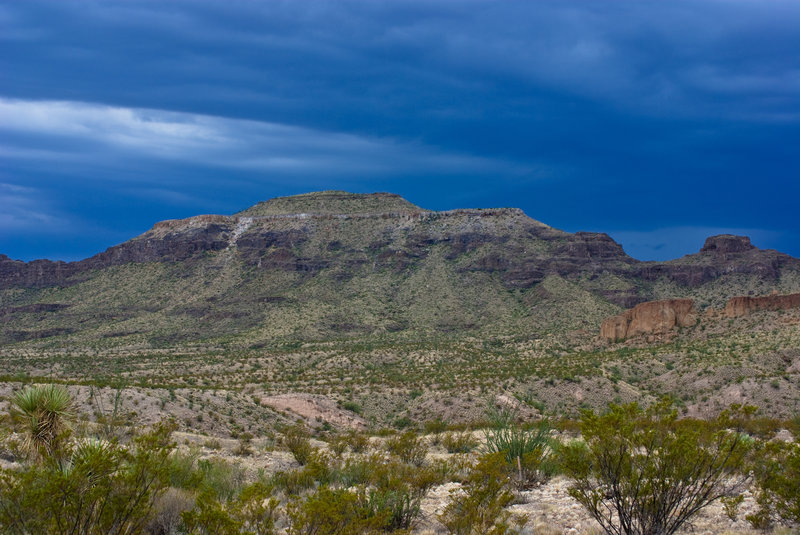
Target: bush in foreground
<point>478,508</point>
<point>94,487</point>
<point>778,476</point>
<point>644,472</point>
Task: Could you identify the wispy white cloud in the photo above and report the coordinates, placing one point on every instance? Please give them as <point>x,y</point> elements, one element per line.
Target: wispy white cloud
<point>23,208</point>
<point>101,132</point>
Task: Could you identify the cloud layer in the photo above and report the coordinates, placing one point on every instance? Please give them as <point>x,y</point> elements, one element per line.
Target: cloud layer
<point>91,133</point>
<point>626,115</point>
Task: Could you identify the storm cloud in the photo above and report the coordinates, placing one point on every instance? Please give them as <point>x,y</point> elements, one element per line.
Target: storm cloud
<point>653,121</point>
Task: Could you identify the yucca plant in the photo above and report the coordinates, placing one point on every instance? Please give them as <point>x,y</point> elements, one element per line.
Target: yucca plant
<point>525,449</point>
<point>45,412</point>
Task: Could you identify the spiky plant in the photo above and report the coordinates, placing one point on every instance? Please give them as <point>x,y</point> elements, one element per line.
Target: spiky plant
<point>45,411</point>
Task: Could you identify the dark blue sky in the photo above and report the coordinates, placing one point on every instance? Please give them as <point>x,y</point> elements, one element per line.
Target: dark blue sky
<point>658,122</point>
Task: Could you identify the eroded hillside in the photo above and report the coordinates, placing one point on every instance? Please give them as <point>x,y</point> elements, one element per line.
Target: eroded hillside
<point>333,265</point>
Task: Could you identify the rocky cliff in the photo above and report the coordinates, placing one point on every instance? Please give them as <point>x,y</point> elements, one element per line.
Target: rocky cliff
<point>380,230</point>
<point>335,264</point>
<point>657,317</point>
<point>742,306</point>
<point>653,317</point>
<point>721,255</point>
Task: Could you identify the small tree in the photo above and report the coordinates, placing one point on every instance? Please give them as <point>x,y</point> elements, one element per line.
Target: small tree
<point>646,473</point>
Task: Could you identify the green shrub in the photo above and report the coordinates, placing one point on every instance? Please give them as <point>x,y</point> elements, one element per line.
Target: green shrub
<point>210,517</point>
<point>398,488</point>
<point>358,442</point>
<point>409,447</point>
<point>778,475</point>
<point>334,512</point>
<point>644,472</point>
<point>352,406</point>
<point>252,513</point>
<point>257,508</point>
<point>294,482</point>
<point>183,472</point>
<point>478,508</point>
<point>459,442</point>
<point>337,444</point>
<point>403,422</point>
<point>100,486</point>
<point>359,470</point>
<point>296,440</point>
<point>434,427</point>
<point>392,489</point>
<point>222,478</point>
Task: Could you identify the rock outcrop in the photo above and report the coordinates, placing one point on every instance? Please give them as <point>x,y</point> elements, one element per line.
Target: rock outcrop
<point>385,265</point>
<point>744,305</point>
<point>726,244</point>
<point>720,256</point>
<point>372,232</point>
<point>652,317</point>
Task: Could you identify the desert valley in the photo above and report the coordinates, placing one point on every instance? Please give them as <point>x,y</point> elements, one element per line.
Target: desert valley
<point>287,339</point>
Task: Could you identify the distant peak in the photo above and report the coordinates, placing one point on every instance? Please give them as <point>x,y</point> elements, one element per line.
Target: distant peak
<point>727,243</point>
<point>332,202</point>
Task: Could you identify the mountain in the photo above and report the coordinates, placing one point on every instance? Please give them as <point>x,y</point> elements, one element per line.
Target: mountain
<point>334,265</point>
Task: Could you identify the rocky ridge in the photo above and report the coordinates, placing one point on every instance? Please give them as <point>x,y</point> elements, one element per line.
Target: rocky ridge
<point>660,317</point>
<point>333,264</point>
<point>744,305</point>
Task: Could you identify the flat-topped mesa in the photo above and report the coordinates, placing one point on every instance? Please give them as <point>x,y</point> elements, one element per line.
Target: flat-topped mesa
<point>744,305</point>
<point>652,317</point>
<point>331,203</point>
<point>721,256</point>
<point>727,243</point>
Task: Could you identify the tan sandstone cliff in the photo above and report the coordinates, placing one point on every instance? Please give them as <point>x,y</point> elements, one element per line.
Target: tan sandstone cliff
<point>653,317</point>
<point>741,306</point>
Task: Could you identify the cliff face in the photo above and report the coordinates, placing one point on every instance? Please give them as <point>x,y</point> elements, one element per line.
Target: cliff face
<point>742,306</point>
<point>389,232</point>
<point>272,236</point>
<point>168,241</point>
<point>727,244</point>
<point>334,264</point>
<point>653,317</point>
<point>720,255</point>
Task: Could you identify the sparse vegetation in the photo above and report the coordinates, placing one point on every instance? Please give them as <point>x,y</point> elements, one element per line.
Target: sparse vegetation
<point>644,472</point>
<point>338,342</point>
<point>667,469</point>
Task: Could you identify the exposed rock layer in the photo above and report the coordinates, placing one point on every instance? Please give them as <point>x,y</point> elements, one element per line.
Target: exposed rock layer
<point>742,306</point>
<point>653,317</point>
<point>727,243</point>
<point>338,264</point>
<point>661,316</point>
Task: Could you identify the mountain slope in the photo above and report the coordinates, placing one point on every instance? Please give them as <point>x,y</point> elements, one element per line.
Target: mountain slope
<point>334,265</point>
